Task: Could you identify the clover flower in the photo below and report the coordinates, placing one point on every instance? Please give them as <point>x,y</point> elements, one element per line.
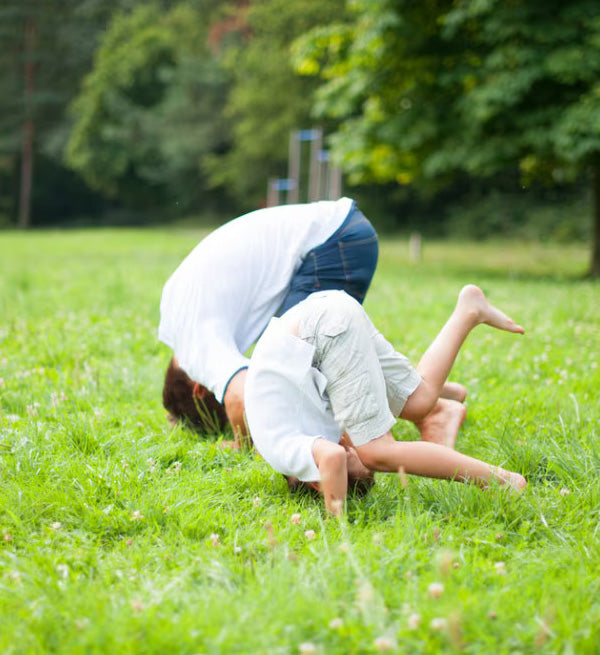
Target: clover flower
<point>438,624</point>
<point>435,589</point>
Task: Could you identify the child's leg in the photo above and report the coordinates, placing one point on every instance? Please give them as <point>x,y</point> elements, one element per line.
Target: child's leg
<point>433,461</point>
<point>454,391</point>
<point>472,309</point>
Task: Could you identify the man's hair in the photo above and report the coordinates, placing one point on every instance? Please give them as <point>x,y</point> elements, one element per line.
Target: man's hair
<point>189,401</point>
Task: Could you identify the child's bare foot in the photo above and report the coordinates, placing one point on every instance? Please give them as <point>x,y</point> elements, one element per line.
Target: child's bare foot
<point>510,479</point>
<point>454,391</point>
<point>441,425</point>
<point>473,302</point>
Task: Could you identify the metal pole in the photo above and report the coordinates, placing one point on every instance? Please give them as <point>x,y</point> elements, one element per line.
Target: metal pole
<point>272,193</point>
<point>294,168</point>
<point>335,182</point>
<point>315,148</point>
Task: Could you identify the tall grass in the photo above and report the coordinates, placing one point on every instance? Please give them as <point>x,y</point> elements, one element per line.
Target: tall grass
<point>120,534</point>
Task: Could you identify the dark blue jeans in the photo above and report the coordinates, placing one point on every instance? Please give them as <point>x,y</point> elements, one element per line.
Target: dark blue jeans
<point>346,261</point>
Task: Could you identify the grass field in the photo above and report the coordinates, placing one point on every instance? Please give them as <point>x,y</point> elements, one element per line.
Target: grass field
<point>119,534</point>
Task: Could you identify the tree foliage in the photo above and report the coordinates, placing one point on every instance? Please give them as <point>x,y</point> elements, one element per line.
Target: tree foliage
<point>140,118</point>
<point>45,49</point>
<point>423,90</point>
<point>150,109</point>
<point>267,98</point>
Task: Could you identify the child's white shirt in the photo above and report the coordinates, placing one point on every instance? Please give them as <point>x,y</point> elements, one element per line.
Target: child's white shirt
<point>286,404</point>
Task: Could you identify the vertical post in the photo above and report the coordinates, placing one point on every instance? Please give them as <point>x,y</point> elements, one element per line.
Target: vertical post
<point>272,193</point>
<point>595,257</point>
<point>323,190</point>
<point>28,127</point>
<point>414,246</point>
<point>294,168</point>
<point>335,182</point>
<point>315,148</point>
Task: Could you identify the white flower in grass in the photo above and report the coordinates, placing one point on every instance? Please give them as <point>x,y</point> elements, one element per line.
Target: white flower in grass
<point>57,525</point>
<point>414,620</point>
<point>307,648</point>
<point>137,605</point>
<point>435,589</point>
<point>564,492</point>
<point>237,550</point>
<point>256,502</point>
<point>336,624</point>
<point>15,576</point>
<point>97,413</point>
<point>150,461</point>
<point>377,539</point>
<point>177,466</point>
<point>295,519</point>
<point>500,568</point>
<point>310,534</point>
<point>214,538</point>
<point>136,515</point>
<point>384,643</point>
<point>63,571</point>
<point>438,623</point>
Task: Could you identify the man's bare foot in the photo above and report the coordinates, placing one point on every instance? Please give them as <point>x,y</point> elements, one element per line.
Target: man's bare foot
<point>442,423</point>
<point>472,301</point>
<point>454,391</point>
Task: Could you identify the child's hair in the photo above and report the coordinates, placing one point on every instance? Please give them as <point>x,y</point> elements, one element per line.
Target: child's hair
<point>189,401</point>
<point>357,486</point>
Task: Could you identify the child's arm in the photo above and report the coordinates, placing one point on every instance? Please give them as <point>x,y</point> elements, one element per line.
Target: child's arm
<point>433,461</point>
<point>330,459</point>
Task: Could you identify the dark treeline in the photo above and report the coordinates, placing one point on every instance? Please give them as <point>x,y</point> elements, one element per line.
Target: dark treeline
<point>470,118</point>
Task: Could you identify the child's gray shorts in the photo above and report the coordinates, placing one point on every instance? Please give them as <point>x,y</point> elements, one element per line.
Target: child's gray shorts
<point>368,382</point>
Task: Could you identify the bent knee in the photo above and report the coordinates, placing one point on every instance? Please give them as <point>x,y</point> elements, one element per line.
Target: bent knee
<point>419,403</point>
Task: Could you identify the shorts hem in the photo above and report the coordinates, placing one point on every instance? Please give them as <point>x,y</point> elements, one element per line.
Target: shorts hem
<point>370,430</point>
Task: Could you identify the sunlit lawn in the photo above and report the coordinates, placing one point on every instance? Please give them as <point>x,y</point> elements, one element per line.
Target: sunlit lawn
<point>119,534</point>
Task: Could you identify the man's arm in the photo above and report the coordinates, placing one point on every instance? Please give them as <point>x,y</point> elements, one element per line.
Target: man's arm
<point>234,407</point>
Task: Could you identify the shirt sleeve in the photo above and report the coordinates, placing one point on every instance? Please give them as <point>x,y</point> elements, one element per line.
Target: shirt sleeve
<point>210,359</point>
<point>280,394</point>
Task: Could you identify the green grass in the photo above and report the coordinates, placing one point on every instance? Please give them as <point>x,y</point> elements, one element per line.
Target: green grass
<point>107,515</point>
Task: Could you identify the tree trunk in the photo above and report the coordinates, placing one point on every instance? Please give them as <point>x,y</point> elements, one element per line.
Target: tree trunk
<point>28,127</point>
<point>595,261</point>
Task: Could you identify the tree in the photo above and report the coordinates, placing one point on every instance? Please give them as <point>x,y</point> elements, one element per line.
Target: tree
<point>426,90</point>
<point>267,98</point>
<point>45,49</point>
<point>150,109</point>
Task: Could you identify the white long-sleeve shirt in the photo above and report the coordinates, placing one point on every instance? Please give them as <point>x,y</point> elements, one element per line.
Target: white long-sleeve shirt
<point>221,297</point>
